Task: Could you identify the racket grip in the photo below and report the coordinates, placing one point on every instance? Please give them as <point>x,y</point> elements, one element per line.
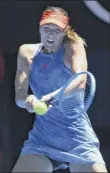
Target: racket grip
<point>48,102</point>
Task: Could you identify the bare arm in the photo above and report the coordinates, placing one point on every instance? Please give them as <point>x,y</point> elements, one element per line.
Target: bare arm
<point>79,63</point>
<point>22,78</point>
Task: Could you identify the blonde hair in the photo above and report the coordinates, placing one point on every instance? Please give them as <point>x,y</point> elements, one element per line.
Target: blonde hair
<point>71,34</point>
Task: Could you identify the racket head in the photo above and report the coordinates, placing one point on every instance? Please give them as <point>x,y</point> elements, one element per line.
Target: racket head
<point>90,90</point>
<point>63,102</point>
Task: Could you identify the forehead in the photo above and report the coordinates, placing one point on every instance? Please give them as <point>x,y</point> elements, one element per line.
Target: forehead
<point>51,26</point>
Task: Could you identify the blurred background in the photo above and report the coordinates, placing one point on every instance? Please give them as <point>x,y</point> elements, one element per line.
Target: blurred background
<point>19,24</point>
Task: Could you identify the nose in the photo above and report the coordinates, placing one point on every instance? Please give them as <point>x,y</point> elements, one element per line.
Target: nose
<point>51,36</point>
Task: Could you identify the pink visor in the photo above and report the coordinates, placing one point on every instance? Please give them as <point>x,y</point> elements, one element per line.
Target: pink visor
<point>55,18</point>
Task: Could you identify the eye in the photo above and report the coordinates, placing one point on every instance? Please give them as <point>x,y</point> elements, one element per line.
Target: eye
<point>57,31</point>
<point>45,29</point>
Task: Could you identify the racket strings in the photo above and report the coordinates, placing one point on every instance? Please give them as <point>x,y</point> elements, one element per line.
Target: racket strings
<point>77,98</point>
<point>71,101</point>
<point>89,92</point>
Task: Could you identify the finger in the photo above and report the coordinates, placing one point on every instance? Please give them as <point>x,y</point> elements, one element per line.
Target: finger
<point>43,99</point>
<point>32,104</point>
<point>28,107</point>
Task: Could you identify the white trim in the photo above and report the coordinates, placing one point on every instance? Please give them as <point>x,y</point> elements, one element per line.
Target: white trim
<point>98,10</point>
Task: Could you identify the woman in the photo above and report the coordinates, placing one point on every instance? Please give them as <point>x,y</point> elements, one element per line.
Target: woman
<point>53,142</point>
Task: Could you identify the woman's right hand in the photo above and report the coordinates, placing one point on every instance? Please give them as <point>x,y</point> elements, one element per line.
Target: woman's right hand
<point>30,102</point>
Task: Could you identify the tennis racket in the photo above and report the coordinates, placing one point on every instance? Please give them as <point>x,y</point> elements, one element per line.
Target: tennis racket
<point>67,102</point>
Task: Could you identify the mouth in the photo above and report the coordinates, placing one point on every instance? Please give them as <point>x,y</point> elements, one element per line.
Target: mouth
<point>50,41</point>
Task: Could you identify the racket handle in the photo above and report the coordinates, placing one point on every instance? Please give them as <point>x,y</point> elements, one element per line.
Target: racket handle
<point>48,102</point>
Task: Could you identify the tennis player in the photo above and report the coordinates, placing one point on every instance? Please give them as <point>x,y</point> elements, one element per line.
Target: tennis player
<point>55,141</point>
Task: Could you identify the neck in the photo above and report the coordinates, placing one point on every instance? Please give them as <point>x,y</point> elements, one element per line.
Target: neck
<point>46,51</point>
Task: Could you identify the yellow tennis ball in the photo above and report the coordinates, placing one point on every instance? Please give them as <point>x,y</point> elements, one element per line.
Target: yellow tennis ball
<point>40,108</point>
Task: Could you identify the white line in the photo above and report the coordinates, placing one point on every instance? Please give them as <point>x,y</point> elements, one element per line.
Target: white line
<point>98,10</point>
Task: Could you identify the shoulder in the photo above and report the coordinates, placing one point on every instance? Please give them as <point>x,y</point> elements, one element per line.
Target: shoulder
<point>73,47</point>
<point>27,49</point>
<point>26,52</point>
<point>75,54</point>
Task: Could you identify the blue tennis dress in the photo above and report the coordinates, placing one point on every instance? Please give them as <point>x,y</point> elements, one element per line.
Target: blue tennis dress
<point>63,139</point>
